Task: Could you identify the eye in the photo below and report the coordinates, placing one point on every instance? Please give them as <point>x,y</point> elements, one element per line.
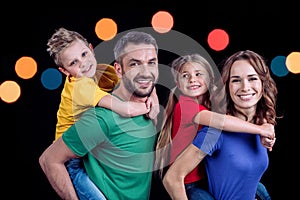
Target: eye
<point>73,63</point>
<point>186,76</point>
<point>134,64</point>
<point>84,54</point>
<point>253,79</point>
<point>199,74</point>
<point>235,80</point>
<point>152,63</point>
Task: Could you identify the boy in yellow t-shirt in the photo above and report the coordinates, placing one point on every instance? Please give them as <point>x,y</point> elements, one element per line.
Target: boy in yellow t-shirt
<point>87,85</point>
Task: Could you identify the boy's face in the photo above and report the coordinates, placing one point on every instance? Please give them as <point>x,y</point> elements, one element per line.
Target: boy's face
<point>79,60</point>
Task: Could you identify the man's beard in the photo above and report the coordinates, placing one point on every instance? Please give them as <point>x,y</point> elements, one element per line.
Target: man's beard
<point>134,91</point>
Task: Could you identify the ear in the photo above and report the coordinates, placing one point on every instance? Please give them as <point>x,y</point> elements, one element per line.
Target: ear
<point>64,71</point>
<point>91,47</point>
<point>118,69</point>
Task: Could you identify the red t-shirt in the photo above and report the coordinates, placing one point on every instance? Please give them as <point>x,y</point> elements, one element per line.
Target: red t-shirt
<point>183,132</point>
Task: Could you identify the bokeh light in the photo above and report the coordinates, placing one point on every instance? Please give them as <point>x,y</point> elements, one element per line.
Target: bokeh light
<point>106,29</point>
<point>162,22</point>
<point>218,39</point>
<point>278,66</point>
<point>51,78</point>
<point>10,91</point>
<point>293,62</point>
<point>26,67</point>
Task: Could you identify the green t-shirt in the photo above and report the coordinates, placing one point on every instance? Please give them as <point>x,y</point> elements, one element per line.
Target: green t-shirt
<point>118,152</point>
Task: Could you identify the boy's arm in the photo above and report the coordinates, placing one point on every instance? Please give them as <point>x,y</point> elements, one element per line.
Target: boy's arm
<point>233,124</point>
<point>123,108</point>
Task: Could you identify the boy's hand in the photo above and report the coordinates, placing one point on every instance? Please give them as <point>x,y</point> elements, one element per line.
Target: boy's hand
<point>153,103</point>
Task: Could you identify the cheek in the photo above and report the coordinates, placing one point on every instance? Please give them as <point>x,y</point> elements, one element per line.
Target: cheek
<point>181,83</point>
<point>258,87</point>
<point>155,73</point>
<point>232,89</point>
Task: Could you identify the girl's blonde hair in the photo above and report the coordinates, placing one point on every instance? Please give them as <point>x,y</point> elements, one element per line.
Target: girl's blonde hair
<point>164,140</point>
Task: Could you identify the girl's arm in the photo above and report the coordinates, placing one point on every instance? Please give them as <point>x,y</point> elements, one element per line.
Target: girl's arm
<point>233,124</point>
<point>173,180</point>
<point>124,108</point>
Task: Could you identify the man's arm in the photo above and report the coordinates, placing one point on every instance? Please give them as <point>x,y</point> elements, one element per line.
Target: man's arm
<point>52,163</point>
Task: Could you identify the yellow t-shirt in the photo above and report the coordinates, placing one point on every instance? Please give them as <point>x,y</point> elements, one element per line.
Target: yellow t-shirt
<point>79,94</point>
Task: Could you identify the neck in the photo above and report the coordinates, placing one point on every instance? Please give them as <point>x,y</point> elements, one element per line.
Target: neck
<point>123,93</point>
<point>250,112</point>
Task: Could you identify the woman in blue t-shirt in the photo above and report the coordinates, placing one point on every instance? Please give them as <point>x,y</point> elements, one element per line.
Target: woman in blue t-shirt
<point>235,162</point>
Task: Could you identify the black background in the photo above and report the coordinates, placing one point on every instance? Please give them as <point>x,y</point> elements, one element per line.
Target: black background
<point>28,125</point>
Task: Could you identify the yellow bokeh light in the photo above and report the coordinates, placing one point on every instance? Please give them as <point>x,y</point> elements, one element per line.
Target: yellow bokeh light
<point>162,22</point>
<point>293,62</point>
<point>10,91</point>
<point>26,67</point>
<point>106,29</point>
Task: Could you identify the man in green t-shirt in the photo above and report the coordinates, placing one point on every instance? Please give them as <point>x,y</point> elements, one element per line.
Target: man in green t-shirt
<point>117,151</point>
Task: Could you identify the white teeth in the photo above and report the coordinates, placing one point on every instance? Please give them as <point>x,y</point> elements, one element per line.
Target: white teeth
<point>245,96</point>
<point>143,81</point>
<point>195,86</point>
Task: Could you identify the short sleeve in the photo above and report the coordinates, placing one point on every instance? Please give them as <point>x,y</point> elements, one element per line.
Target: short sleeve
<point>208,139</point>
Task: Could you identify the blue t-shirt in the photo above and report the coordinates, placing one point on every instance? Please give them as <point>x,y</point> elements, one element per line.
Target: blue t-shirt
<point>235,162</point>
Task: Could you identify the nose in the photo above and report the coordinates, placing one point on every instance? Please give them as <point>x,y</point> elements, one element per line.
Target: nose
<point>82,63</point>
<point>192,78</point>
<point>245,85</point>
<point>144,69</point>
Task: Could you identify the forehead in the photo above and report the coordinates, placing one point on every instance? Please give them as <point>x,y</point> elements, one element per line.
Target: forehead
<point>77,46</point>
<point>242,68</point>
<point>193,66</point>
<point>140,51</point>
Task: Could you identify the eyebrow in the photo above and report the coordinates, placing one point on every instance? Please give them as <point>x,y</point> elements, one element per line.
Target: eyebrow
<point>137,60</point>
<point>249,75</point>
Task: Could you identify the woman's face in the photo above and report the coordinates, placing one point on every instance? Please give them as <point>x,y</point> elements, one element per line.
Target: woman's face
<point>245,86</point>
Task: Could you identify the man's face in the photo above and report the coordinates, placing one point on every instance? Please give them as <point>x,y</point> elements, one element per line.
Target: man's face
<point>140,69</point>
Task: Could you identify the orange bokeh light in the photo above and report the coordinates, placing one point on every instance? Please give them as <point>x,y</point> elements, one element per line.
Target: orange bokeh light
<point>162,22</point>
<point>26,67</point>
<point>106,29</point>
<point>293,62</point>
<point>10,91</point>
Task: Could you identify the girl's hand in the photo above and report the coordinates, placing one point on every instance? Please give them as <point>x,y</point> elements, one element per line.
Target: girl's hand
<point>267,142</point>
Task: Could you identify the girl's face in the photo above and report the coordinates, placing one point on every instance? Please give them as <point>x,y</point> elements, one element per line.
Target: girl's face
<point>245,86</point>
<point>192,80</point>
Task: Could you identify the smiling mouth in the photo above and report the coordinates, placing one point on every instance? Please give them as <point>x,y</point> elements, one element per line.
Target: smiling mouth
<point>246,96</point>
<point>193,87</point>
<point>86,70</point>
<point>144,82</point>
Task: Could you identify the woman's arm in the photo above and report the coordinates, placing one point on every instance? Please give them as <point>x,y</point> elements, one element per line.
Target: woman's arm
<point>233,124</point>
<point>173,180</point>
